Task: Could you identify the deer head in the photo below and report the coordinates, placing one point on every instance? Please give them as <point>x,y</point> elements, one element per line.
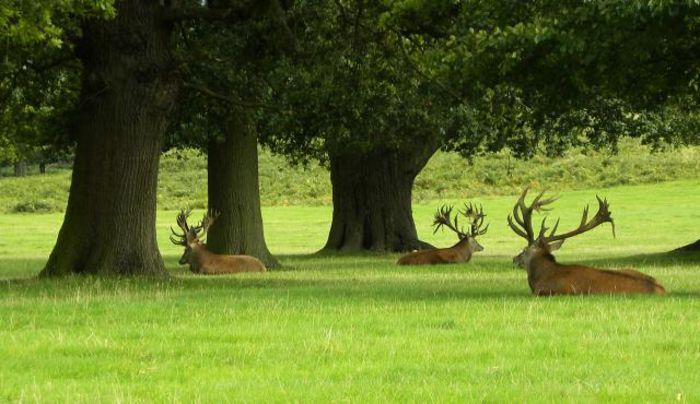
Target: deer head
<point>544,243</point>
<point>190,238</point>
<point>475,217</point>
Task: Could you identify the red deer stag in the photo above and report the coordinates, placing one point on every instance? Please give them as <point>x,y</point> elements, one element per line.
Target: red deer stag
<point>465,247</point>
<point>547,277</point>
<point>201,260</point>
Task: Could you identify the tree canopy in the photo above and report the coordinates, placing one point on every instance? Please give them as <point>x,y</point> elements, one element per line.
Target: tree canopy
<point>565,73</point>
<point>39,74</point>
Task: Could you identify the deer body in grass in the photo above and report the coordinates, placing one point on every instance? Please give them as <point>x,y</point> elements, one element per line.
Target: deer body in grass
<point>465,247</point>
<point>548,277</point>
<point>203,261</point>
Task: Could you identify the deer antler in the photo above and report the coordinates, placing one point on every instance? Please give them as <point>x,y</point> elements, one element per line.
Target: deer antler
<point>601,216</point>
<point>477,215</point>
<point>443,217</point>
<point>522,215</point>
<point>181,239</point>
<point>206,222</point>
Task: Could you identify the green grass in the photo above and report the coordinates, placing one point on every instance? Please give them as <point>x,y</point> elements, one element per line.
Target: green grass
<point>183,177</point>
<point>359,328</point>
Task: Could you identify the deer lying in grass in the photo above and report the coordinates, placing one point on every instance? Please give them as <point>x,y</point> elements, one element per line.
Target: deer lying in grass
<point>547,277</point>
<point>465,247</point>
<point>203,261</point>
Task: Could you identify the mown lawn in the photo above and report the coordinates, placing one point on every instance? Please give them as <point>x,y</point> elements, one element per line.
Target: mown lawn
<point>327,328</point>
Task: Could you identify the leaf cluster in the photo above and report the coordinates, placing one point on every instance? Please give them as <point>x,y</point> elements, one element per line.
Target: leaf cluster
<point>357,84</point>
<point>39,77</point>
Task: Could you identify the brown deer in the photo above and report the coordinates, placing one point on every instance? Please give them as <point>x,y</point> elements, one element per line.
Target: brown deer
<point>465,247</point>
<point>547,277</point>
<point>201,260</point>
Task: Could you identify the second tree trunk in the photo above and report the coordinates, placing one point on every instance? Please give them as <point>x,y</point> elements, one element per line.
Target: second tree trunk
<point>234,192</point>
<point>372,200</point>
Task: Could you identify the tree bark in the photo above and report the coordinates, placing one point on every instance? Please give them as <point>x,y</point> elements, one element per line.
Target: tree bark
<point>42,167</point>
<point>234,192</point>
<point>129,89</point>
<point>20,168</point>
<point>372,199</point>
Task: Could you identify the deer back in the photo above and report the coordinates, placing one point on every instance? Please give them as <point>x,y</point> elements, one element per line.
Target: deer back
<point>579,279</point>
<point>457,253</point>
<point>212,264</point>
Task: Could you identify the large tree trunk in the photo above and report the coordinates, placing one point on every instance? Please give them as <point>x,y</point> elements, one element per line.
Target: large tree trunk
<point>234,192</point>
<point>20,168</point>
<point>372,199</point>
<point>128,92</point>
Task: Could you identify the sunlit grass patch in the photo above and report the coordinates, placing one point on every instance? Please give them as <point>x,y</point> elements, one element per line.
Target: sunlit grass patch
<point>359,328</point>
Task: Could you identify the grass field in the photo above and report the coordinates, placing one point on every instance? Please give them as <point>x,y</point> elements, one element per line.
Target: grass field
<point>360,329</point>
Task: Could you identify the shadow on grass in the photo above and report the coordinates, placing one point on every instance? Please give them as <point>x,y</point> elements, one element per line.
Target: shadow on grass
<point>318,289</point>
<point>309,280</point>
<point>657,259</point>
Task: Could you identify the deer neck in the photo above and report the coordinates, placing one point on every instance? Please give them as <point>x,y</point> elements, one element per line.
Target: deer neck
<point>462,247</point>
<point>540,266</point>
<point>200,256</point>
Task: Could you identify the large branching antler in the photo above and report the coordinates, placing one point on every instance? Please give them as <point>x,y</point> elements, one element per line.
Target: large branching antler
<point>522,215</point>
<point>181,239</point>
<point>477,219</point>
<point>206,223</point>
<point>602,215</point>
<point>443,217</point>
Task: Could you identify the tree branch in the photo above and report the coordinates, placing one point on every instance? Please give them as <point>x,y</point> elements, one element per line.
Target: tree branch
<point>204,90</point>
<point>417,69</point>
<point>343,13</point>
<point>203,13</point>
<point>278,14</point>
<point>58,62</point>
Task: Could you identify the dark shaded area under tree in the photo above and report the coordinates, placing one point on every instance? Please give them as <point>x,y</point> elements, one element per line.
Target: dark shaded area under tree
<point>688,248</point>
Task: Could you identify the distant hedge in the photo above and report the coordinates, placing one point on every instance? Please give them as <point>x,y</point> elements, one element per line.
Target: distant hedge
<point>183,176</point>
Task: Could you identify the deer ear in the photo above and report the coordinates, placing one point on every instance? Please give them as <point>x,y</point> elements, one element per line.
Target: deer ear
<point>556,245</point>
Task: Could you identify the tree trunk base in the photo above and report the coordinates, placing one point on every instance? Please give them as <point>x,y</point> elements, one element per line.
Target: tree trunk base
<point>372,200</point>
<point>234,192</point>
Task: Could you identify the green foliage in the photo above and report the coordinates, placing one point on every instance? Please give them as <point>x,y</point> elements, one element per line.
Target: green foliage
<point>46,21</point>
<point>183,181</point>
<point>183,177</point>
<point>564,74</point>
<point>35,193</point>
<point>223,64</point>
<point>360,328</point>
<point>38,74</point>
<point>446,176</point>
<point>356,86</point>
<point>36,206</point>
